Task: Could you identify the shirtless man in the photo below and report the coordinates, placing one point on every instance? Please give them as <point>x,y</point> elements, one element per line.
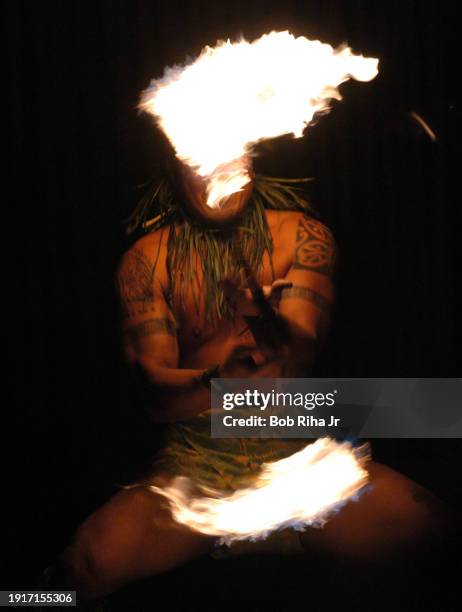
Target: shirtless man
<point>133,535</point>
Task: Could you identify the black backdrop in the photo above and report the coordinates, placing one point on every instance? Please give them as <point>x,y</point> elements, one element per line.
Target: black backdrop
<point>74,73</point>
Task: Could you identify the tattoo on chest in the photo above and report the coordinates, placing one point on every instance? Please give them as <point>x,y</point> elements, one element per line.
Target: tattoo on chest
<point>315,247</point>
<point>136,284</point>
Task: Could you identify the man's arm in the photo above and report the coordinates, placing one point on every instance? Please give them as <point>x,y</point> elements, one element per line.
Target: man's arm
<point>302,319</point>
<point>150,342</point>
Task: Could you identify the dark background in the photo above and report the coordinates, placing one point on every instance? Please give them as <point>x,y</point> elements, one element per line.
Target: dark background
<point>80,152</point>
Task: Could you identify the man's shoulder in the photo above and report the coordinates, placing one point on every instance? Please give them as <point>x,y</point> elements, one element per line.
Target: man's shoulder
<point>147,244</point>
<point>308,241</point>
<point>144,252</point>
<point>290,223</point>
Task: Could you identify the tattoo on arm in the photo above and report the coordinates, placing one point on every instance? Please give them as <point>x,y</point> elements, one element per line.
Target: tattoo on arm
<point>151,328</point>
<point>305,293</point>
<point>314,248</point>
<point>135,284</point>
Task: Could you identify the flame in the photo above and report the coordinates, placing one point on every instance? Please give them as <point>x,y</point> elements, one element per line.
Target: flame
<point>236,94</point>
<point>303,489</point>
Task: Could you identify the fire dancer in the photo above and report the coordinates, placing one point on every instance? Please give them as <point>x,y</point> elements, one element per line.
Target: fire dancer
<point>178,349</point>
<point>234,278</point>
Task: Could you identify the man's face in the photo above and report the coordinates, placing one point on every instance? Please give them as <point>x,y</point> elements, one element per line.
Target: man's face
<point>194,190</point>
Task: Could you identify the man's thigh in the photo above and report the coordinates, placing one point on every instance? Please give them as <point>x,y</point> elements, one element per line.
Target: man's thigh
<point>131,536</point>
<point>392,515</point>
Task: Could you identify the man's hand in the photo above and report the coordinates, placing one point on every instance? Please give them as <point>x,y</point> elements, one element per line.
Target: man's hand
<point>291,326</point>
<point>241,298</point>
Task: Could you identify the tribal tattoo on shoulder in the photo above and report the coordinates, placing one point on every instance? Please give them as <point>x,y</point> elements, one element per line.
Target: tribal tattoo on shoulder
<point>135,284</point>
<point>314,247</point>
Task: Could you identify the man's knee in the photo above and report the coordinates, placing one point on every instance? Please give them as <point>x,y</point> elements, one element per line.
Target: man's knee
<point>93,561</point>
<point>130,537</point>
<point>403,503</point>
<point>84,569</point>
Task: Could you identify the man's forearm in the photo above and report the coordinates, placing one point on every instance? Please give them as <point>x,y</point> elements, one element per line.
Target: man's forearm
<point>173,394</point>
<point>276,334</point>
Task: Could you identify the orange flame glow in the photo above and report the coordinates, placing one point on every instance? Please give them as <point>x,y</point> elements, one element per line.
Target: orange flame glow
<point>234,95</point>
<point>303,489</point>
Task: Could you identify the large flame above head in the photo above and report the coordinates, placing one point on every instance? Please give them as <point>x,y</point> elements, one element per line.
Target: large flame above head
<point>236,94</point>
<point>303,489</point>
